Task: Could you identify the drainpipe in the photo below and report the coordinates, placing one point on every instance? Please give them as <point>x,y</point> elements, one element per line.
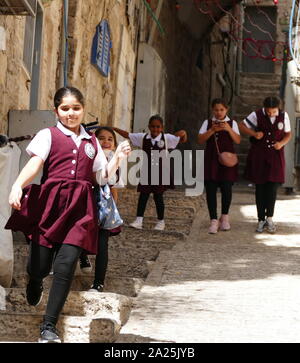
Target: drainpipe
<point>63,79</point>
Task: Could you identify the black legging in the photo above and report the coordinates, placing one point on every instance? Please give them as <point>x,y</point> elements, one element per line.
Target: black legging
<point>101,261</point>
<point>211,188</point>
<point>159,203</point>
<point>102,257</point>
<point>265,195</point>
<point>64,258</point>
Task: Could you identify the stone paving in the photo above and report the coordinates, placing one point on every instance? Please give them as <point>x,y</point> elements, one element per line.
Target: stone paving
<point>235,286</point>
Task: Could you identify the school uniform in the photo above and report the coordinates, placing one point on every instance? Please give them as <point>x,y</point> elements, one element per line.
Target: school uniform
<point>217,175</point>
<point>62,209</point>
<point>59,216</point>
<point>265,166</point>
<point>158,144</point>
<point>153,146</point>
<point>264,163</point>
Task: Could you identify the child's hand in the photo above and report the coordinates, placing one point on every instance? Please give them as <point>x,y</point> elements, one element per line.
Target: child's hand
<point>15,197</point>
<point>218,126</point>
<point>123,150</point>
<point>259,135</point>
<point>278,146</point>
<point>183,135</point>
<point>225,126</point>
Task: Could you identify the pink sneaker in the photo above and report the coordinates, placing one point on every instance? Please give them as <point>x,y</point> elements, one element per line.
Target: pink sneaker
<point>214,226</point>
<point>224,223</point>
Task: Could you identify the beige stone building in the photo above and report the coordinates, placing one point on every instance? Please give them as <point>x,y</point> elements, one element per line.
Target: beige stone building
<point>168,57</point>
<point>33,58</point>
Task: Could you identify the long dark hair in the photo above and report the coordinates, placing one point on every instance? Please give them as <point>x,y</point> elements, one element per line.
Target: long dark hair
<point>109,129</point>
<point>67,91</point>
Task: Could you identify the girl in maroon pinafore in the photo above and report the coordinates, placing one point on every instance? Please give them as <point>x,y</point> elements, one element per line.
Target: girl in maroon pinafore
<point>152,144</point>
<point>270,130</point>
<point>223,131</point>
<point>59,216</point>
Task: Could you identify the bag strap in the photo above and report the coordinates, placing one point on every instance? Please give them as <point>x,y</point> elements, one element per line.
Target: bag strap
<point>218,150</point>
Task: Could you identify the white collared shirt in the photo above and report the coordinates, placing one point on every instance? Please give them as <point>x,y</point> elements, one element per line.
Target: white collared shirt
<point>253,118</point>
<point>137,139</point>
<point>204,126</point>
<point>41,145</point>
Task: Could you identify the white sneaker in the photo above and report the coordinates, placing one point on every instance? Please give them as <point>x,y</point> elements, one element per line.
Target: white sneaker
<point>260,226</point>
<point>160,226</point>
<point>137,224</point>
<point>271,228</point>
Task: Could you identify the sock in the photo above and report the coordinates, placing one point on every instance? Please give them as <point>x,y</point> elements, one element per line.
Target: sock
<point>139,219</point>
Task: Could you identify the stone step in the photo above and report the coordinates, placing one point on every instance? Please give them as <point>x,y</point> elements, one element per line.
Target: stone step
<point>79,303</point>
<point>130,267</point>
<point>169,212</point>
<point>131,233</point>
<point>261,76</point>
<point>2,298</point>
<point>147,253</point>
<point>182,226</point>
<point>245,109</point>
<point>131,204</point>
<point>170,202</point>
<point>150,235</point>
<point>157,245</point>
<point>128,286</point>
<point>22,327</point>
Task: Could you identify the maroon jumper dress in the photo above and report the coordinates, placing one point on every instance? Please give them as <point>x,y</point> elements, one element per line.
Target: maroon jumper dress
<point>264,163</point>
<point>148,147</point>
<point>62,209</point>
<point>213,170</point>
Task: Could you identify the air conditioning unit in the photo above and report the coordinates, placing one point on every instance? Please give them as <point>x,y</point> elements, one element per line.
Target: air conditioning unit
<point>18,7</point>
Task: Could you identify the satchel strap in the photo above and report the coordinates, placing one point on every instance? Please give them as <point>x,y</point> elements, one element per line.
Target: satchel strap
<point>218,150</point>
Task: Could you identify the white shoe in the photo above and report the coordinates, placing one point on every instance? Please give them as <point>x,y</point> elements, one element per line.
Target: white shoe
<point>137,224</point>
<point>260,227</point>
<point>160,226</point>
<point>271,228</point>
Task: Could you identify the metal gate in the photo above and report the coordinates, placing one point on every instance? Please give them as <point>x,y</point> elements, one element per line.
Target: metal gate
<point>259,39</point>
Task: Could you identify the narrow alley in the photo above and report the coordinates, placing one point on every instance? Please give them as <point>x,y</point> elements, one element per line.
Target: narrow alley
<point>236,286</point>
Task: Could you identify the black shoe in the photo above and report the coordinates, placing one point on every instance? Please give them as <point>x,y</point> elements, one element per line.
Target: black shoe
<point>96,288</point>
<point>34,292</point>
<point>85,264</point>
<point>49,333</point>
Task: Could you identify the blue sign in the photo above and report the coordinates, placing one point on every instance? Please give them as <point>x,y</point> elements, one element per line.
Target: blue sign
<point>102,45</point>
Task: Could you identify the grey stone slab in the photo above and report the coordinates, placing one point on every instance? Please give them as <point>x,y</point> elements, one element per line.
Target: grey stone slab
<point>25,328</point>
<point>79,303</point>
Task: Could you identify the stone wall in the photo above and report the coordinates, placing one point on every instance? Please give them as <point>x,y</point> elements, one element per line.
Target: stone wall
<point>110,99</point>
<point>14,78</point>
<point>104,96</point>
